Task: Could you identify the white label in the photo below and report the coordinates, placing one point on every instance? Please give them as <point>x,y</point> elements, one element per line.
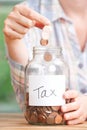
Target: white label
<point>46,90</point>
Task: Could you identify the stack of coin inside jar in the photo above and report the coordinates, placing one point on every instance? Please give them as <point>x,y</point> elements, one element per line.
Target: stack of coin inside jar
<point>44,115</point>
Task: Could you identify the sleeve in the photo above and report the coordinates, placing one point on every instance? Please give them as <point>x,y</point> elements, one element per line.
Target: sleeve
<point>18,81</point>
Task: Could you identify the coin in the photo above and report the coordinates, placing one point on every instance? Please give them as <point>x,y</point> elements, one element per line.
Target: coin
<point>58,119</point>
<point>55,108</point>
<point>45,115</point>
<point>47,56</point>
<point>51,118</point>
<point>34,118</point>
<point>46,32</point>
<point>41,119</point>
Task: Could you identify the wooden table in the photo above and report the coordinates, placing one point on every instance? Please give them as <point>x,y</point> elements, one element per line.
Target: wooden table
<point>17,122</point>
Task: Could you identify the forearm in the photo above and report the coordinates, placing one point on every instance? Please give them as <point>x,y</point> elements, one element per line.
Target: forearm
<point>17,51</point>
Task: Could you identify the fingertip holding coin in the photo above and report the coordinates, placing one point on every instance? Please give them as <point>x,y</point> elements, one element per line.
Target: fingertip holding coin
<point>46,32</point>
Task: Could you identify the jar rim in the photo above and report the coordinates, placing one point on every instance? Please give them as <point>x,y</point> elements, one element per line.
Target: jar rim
<point>52,48</point>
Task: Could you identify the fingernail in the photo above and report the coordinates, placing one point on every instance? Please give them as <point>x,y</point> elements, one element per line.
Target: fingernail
<point>33,22</point>
<point>66,95</point>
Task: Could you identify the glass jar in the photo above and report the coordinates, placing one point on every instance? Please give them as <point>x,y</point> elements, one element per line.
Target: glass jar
<point>46,81</point>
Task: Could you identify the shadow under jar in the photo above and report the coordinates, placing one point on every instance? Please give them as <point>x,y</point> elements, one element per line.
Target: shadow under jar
<point>46,80</point>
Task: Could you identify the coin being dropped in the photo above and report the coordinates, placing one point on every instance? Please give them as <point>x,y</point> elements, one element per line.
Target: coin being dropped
<point>45,35</point>
<point>43,42</point>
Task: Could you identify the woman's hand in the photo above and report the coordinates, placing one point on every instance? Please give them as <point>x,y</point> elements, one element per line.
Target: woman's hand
<point>75,112</point>
<point>20,20</point>
<point>16,25</point>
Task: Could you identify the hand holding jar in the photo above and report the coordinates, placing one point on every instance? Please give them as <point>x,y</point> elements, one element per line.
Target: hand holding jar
<point>75,112</point>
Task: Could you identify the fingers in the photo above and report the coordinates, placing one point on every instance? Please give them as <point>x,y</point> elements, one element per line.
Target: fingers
<point>70,94</point>
<point>11,33</point>
<point>79,120</point>
<point>74,111</point>
<point>14,30</point>
<point>20,19</point>
<point>31,14</point>
<point>70,107</point>
<point>72,115</point>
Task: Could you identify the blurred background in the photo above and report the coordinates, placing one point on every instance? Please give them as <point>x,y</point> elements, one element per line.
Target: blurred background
<point>7,97</point>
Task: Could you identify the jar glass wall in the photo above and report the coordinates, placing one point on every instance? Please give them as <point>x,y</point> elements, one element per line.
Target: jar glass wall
<point>47,78</point>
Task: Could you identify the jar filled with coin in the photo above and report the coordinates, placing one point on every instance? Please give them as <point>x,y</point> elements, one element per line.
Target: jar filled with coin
<point>47,79</point>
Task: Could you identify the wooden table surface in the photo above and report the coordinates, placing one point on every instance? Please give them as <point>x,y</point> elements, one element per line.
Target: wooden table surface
<point>17,122</point>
